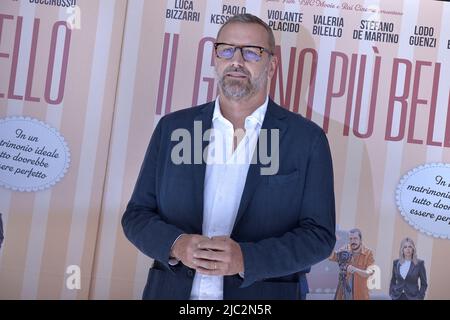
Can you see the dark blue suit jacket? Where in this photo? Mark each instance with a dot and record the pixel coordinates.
(285, 222)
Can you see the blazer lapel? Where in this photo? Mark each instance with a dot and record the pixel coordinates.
(272, 120)
(204, 118)
(411, 267)
(410, 270)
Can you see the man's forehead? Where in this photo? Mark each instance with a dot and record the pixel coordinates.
(243, 32)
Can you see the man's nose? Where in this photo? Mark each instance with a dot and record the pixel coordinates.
(237, 58)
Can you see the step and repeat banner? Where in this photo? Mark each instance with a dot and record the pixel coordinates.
(83, 84)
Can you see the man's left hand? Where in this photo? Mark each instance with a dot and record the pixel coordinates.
(218, 256)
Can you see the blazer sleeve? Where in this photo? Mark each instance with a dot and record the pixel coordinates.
(313, 239)
(141, 223)
(393, 281)
(423, 280)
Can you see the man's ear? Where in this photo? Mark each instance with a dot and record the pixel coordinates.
(273, 66)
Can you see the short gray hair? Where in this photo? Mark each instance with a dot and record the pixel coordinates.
(249, 18)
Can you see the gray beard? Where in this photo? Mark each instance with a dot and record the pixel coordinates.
(237, 90)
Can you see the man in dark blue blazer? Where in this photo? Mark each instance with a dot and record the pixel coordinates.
(226, 231)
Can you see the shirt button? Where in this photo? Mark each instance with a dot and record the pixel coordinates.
(190, 273)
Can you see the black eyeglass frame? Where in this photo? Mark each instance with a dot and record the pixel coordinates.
(261, 50)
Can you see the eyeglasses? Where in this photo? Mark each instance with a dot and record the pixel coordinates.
(249, 53)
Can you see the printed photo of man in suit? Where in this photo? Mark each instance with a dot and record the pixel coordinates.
(234, 225)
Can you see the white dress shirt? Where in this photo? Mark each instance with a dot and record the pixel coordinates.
(404, 268)
(225, 176)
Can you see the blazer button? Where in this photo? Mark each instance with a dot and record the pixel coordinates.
(190, 273)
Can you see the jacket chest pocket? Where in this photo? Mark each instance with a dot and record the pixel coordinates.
(282, 179)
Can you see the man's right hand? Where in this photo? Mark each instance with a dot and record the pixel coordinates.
(183, 249)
